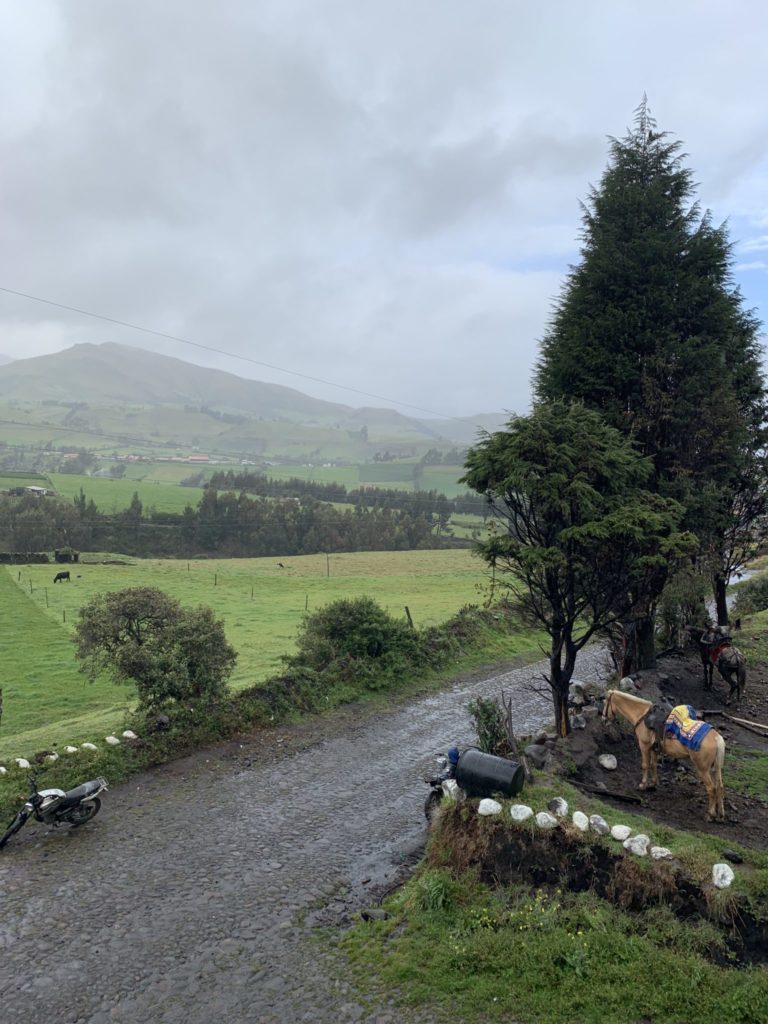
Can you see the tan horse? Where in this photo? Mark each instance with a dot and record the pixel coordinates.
(707, 761)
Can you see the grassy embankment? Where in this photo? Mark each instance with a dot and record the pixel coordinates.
(47, 702)
(537, 952)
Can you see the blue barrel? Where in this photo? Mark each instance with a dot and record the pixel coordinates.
(481, 774)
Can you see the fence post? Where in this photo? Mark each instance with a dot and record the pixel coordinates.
(408, 615)
(46, 597)
(64, 614)
(328, 565)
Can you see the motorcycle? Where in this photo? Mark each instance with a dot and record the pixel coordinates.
(441, 785)
(54, 806)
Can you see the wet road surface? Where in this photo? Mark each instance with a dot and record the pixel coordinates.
(193, 896)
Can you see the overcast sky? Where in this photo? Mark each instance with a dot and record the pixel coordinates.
(381, 193)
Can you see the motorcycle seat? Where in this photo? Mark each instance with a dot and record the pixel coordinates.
(74, 796)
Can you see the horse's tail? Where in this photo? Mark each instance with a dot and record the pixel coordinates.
(742, 675)
(719, 755)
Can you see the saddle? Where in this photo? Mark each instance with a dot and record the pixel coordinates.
(656, 720)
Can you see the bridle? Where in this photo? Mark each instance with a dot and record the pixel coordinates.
(607, 702)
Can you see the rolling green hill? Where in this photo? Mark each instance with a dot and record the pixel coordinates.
(118, 398)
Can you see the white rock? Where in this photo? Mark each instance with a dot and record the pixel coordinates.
(3, 771)
(88, 746)
(660, 852)
(453, 790)
(637, 844)
(545, 820)
(580, 820)
(608, 761)
(70, 750)
(113, 741)
(621, 832)
(598, 824)
(519, 812)
(128, 734)
(22, 762)
(51, 757)
(558, 806)
(488, 807)
(722, 875)
(628, 684)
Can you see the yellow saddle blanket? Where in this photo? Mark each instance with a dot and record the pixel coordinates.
(685, 727)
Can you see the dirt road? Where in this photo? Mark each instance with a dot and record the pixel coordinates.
(192, 897)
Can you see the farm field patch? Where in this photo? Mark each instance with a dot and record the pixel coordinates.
(260, 603)
(115, 495)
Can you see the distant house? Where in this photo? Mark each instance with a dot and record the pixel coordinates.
(198, 458)
(39, 491)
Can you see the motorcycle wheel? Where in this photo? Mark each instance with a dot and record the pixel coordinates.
(431, 804)
(84, 812)
(13, 828)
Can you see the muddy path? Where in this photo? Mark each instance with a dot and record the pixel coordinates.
(195, 894)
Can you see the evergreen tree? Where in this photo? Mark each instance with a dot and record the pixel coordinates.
(651, 331)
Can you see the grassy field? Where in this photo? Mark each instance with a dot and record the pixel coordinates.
(18, 478)
(260, 604)
(115, 495)
(41, 684)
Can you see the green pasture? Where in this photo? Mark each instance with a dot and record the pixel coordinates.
(443, 479)
(115, 495)
(41, 684)
(261, 605)
(169, 472)
(17, 478)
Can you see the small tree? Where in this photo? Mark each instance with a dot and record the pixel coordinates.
(577, 530)
(143, 636)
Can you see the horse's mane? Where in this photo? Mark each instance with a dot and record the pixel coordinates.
(629, 696)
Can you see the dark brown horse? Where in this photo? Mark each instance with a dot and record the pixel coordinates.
(717, 651)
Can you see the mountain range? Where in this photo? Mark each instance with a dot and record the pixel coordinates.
(89, 384)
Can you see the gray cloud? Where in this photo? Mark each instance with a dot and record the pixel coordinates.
(383, 195)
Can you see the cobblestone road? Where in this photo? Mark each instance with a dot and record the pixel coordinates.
(191, 897)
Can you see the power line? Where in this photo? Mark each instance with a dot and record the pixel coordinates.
(222, 352)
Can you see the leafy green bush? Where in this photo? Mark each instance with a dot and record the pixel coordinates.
(355, 640)
(752, 596)
(141, 635)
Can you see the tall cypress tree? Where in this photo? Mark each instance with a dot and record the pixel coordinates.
(651, 330)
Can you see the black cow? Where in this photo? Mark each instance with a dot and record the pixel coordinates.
(61, 576)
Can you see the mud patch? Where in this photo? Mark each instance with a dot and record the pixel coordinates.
(679, 799)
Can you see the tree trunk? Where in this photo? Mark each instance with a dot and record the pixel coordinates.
(646, 651)
(560, 675)
(721, 606)
(560, 703)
